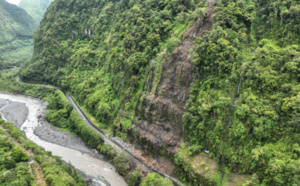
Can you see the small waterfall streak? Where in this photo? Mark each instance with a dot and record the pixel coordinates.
(224, 142)
(241, 75)
(229, 121)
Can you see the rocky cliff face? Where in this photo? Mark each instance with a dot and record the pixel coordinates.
(158, 117)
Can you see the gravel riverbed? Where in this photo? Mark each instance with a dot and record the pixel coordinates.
(27, 114)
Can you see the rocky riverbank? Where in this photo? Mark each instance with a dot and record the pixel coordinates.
(27, 114)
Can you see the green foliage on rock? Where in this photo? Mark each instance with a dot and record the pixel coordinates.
(13, 166)
(244, 103)
(242, 106)
(101, 51)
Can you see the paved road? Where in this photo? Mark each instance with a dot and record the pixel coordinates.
(117, 144)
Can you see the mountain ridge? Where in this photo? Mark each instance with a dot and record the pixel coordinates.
(36, 9)
(16, 31)
(16, 22)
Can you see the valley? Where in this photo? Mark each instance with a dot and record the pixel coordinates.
(195, 92)
(64, 145)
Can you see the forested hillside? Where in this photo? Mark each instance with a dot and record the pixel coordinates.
(35, 8)
(25, 163)
(181, 77)
(16, 31)
(244, 104)
(15, 22)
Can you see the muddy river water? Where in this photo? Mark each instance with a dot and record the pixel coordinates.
(27, 114)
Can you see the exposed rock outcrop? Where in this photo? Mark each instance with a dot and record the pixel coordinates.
(158, 117)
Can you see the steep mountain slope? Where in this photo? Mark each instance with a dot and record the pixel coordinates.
(159, 119)
(15, 23)
(35, 8)
(243, 106)
(16, 31)
(184, 77)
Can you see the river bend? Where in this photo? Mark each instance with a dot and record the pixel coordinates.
(27, 114)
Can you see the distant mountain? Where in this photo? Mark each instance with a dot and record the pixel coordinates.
(15, 23)
(35, 8)
(16, 35)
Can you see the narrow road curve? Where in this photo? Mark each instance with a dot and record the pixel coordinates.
(119, 147)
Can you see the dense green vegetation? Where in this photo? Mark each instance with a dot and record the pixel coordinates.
(154, 179)
(35, 8)
(108, 45)
(6, 65)
(16, 22)
(14, 166)
(16, 30)
(244, 104)
(13, 160)
(14, 53)
(61, 115)
(9, 83)
(257, 129)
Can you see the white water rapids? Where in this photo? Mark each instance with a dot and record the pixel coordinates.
(101, 171)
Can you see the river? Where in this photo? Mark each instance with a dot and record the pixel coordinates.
(26, 113)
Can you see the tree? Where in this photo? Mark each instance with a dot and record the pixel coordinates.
(154, 179)
(134, 178)
(172, 44)
(121, 163)
(19, 155)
